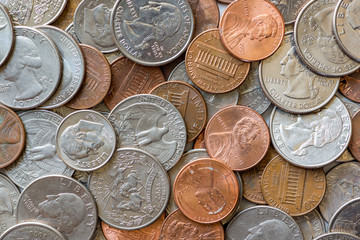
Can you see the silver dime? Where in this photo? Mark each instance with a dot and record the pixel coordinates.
(9, 195)
(92, 24)
(62, 203)
(337, 236)
(263, 222)
(316, 43)
(33, 71)
(312, 140)
(150, 123)
(32, 231)
(311, 224)
(85, 140)
(73, 67)
(131, 191)
(39, 157)
(152, 33)
(71, 30)
(6, 35)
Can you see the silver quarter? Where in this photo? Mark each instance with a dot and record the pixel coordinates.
(39, 157)
(150, 123)
(85, 140)
(312, 140)
(131, 191)
(311, 224)
(92, 24)
(32, 231)
(9, 195)
(62, 203)
(73, 67)
(289, 9)
(152, 33)
(33, 71)
(7, 37)
(71, 30)
(337, 236)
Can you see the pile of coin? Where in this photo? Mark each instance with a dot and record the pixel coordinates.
(152, 120)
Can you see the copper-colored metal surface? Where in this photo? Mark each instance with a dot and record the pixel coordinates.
(148, 233)
(206, 190)
(129, 78)
(12, 136)
(211, 67)
(206, 13)
(178, 226)
(252, 30)
(97, 79)
(188, 101)
(226, 1)
(237, 136)
(292, 189)
(350, 86)
(199, 141)
(354, 145)
(67, 16)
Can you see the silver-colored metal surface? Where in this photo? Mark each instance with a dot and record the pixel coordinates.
(311, 224)
(9, 195)
(70, 30)
(32, 231)
(289, 9)
(7, 37)
(337, 236)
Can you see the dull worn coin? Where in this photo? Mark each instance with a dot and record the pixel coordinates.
(67, 16)
(354, 145)
(70, 30)
(350, 85)
(337, 236)
(32, 230)
(289, 9)
(206, 15)
(311, 224)
(7, 37)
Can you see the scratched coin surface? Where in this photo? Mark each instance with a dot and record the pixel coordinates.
(206, 15)
(152, 33)
(337, 236)
(237, 136)
(150, 123)
(354, 145)
(251, 30)
(312, 140)
(33, 71)
(39, 157)
(7, 37)
(288, 83)
(292, 189)
(311, 224)
(85, 140)
(263, 222)
(60, 202)
(33, 230)
(211, 67)
(350, 85)
(131, 191)
(206, 190)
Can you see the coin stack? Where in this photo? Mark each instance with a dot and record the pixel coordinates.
(162, 120)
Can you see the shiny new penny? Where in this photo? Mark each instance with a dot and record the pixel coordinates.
(7, 35)
(178, 226)
(237, 136)
(188, 101)
(206, 14)
(211, 67)
(251, 30)
(350, 86)
(294, 190)
(32, 230)
(97, 79)
(354, 145)
(129, 78)
(206, 190)
(12, 136)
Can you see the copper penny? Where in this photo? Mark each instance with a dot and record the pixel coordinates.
(206, 14)
(200, 141)
(354, 145)
(12, 136)
(67, 16)
(178, 226)
(97, 79)
(150, 232)
(350, 86)
(294, 190)
(206, 190)
(252, 30)
(237, 136)
(129, 78)
(211, 67)
(252, 178)
(188, 101)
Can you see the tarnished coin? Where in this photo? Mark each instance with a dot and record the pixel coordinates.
(354, 145)
(312, 140)
(342, 185)
(39, 157)
(60, 202)
(263, 222)
(206, 14)
(311, 224)
(350, 86)
(347, 218)
(131, 191)
(32, 230)
(129, 78)
(315, 42)
(150, 123)
(85, 140)
(211, 67)
(152, 33)
(92, 24)
(188, 101)
(289, 9)
(67, 16)
(70, 30)
(251, 31)
(337, 236)
(33, 71)
(73, 63)
(200, 141)
(12, 136)
(206, 190)
(99, 235)
(178, 226)
(97, 79)
(237, 136)
(290, 85)
(7, 37)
